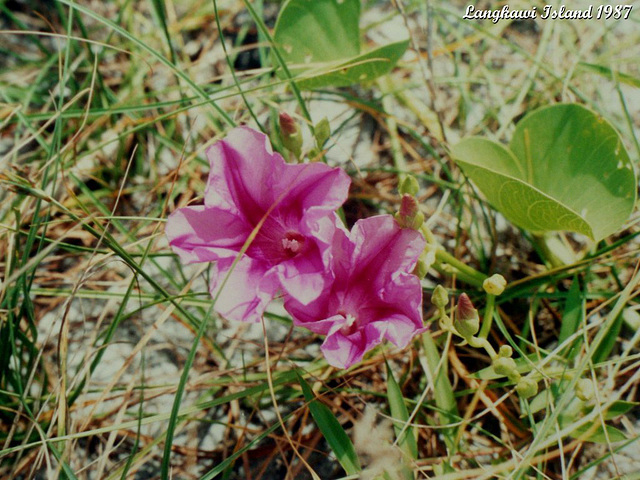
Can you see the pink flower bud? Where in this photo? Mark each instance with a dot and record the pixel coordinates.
(467, 319)
(409, 215)
(287, 124)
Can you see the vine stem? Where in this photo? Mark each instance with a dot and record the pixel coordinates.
(487, 320)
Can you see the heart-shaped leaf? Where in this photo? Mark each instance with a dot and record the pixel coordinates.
(320, 42)
(566, 169)
(362, 68)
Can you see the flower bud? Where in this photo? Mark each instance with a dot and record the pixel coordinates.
(440, 297)
(584, 389)
(505, 366)
(288, 125)
(409, 215)
(291, 135)
(409, 186)
(425, 262)
(505, 351)
(527, 388)
(467, 321)
(495, 284)
(322, 131)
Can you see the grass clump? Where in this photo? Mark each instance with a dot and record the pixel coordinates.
(113, 363)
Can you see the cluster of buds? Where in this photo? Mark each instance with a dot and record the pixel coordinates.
(467, 325)
(505, 365)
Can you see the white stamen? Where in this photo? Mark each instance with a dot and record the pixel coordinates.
(292, 245)
(349, 321)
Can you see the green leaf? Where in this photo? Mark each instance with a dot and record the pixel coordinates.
(540, 401)
(608, 342)
(442, 390)
(320, 42)
(333, 432)
(399, 412)
(363, 68)
(572, 318)
(310, 31)
(597, 435)
(610, 74)
(618, 408)
(566, 169)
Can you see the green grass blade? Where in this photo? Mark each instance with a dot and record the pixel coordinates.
(442, 389)
(233, 70)
(294, 88)
(160, 12)
(333, 432)
(572, 319)
(405, 435)
(201, 93)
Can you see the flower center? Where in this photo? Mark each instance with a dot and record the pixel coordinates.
(350, 324)
(292, 243)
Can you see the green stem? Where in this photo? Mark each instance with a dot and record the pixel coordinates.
(465, 273)
(477, 342)
(555, 251)
(487, 320)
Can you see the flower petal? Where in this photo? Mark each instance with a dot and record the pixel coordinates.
(383, 249)
(302, 279)
(243, 170)
(314, 185)
(400, 329)
(404, 294)
(247, 291)
(248, 178)
(202, 234)
(342, 351)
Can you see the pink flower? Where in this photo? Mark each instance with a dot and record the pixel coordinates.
(248, 182)
(373, 296)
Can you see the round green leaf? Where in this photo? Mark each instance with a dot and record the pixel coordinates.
(316, 31)
(320, 42)
(567, 169)
(362, 68)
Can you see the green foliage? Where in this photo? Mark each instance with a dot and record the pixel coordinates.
(565, 169)
(82, 245)
(397, 406)
(320, 41)
(332, 431)
(572, 319)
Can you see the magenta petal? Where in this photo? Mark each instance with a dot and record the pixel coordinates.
(315, 185)
(249, 186)
(312, 316)
(342, 351)
(304, 277)
(243, 171)
(201, 234)
(322, 327)
(399, 330)
(302, 280)
(373, 295)
(405, 294)
(383, 248)
(247, 291)
(248, 178)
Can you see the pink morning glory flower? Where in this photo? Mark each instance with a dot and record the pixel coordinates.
(373, 296)
(248, 182)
